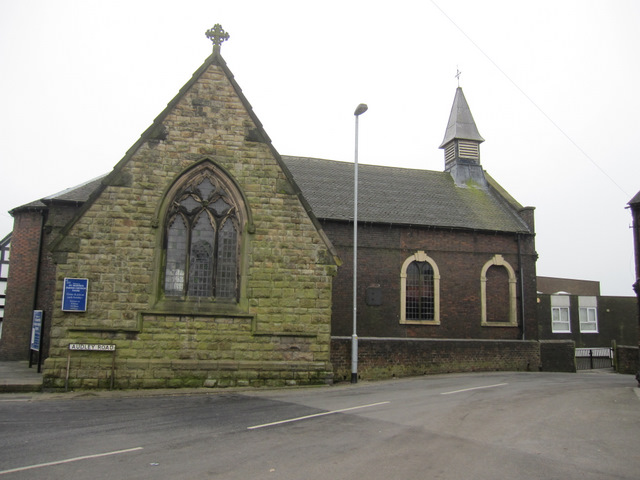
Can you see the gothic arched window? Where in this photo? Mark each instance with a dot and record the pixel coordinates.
(202, 238)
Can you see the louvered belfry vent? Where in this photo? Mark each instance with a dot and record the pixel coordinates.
(470, 150)
(450, 153)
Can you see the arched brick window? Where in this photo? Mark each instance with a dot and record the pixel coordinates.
(202, 236)
(420, 290)
(498, 284)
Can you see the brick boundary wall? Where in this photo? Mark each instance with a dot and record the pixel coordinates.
(382, 358)
(557, 356)
(627, 359)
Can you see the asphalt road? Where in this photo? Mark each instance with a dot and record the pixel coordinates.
(481, 426)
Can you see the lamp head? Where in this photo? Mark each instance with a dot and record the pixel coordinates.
(360, 109)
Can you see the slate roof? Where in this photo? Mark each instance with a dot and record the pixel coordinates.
(461, 124)
(78, 195)
(402, 196)
(635, 200)
(397, 196)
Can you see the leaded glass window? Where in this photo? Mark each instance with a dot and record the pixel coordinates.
(202, 240)
(176, 256)
(201, 258)
(420, 291)
(227, 260)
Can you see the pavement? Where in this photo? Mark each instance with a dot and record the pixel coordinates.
(17, 377)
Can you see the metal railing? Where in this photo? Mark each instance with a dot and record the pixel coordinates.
(593, 358)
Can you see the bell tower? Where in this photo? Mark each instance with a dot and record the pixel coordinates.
(461, 144)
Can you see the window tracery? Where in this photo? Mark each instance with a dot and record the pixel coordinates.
(203, 225)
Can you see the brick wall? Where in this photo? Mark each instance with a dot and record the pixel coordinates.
(382, 358)
(460, 256)
(23, 272)
(617, 321)
(557, 355)
(27, 234)
(627, 359)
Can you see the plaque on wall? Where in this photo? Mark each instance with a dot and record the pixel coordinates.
(74, 294)
(36, 330)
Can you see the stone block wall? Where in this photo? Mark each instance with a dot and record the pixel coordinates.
(279, 331)
(174, 351)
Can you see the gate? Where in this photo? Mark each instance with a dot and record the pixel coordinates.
(592, 358)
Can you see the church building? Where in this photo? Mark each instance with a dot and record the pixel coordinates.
(206, 258)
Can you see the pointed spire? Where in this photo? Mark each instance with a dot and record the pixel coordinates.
(461, 125)
(461, 145)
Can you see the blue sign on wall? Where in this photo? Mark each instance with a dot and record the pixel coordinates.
(36, 330)
(74, 294)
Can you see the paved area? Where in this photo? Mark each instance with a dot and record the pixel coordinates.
(482, 426)
(17, 377)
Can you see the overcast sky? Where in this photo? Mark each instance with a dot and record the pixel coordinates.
(552, 86)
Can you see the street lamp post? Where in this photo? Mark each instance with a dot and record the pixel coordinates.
(354, 338)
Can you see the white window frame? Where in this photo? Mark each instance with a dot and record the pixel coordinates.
(560, 304)
(588, 314)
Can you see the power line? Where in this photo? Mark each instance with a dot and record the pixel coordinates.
(580, 149)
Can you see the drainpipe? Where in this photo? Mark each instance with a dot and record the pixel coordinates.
(37, 291)
(521, 275)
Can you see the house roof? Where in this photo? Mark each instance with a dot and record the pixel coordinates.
(461, 124)
(399, 196)
(403, 196)
(76, 195)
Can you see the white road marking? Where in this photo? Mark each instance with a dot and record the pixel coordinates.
(69, 460)
(474, 388)
(315, 415)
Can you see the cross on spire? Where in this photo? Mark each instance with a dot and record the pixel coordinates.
(217, 35)
(458, 73)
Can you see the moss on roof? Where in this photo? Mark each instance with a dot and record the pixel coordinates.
(403, 196)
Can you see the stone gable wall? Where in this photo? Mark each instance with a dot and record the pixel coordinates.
(281, 331)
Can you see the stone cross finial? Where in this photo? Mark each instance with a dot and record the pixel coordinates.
(217, 35)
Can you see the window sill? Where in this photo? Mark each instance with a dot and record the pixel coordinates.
(201, 307)
(499, 324)
(419, 322)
